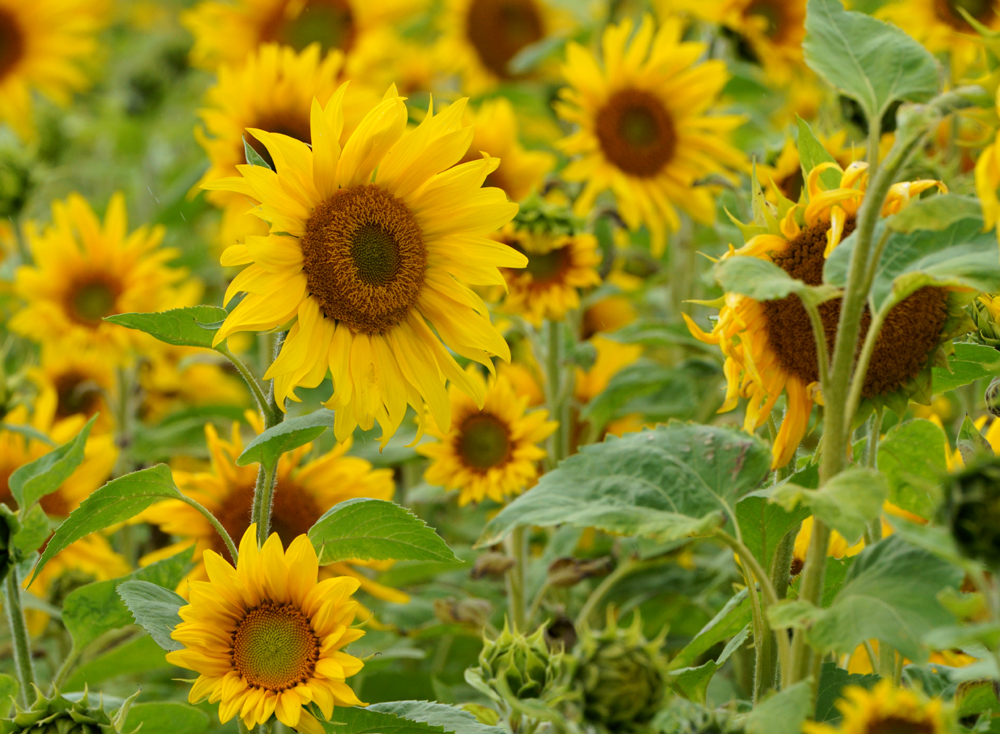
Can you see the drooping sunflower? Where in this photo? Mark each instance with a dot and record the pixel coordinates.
(84, 270)
(480, 37)
(227, 32)
(491, 451)
(644, 128)
(267, 639)
(786, 173)
(303, 491)
(43, 46)
(366, 246)
(769, 346)
(885, 708)
(559, 266)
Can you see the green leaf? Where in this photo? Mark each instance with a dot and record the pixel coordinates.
(935, 213)
(961, 255)
(812, 153)
(971, 443)
(8, 690)
(793, 614)
(762, 280)
(782, 713)
(836, 572)
(449, 718)
(365, 721)
(32, 481)
(166, 717)
(847, 503)
(764, 523)
(155, 609)
(969, 363)
(117, 501)
(253, 157)
(675, 481)
(933, 539)
(732, 618)
(870, 61)
(832, 681)
(35, 529)
(692, 683)
(976, 697)
(92, 610)
(370, 529)
(911, 458)
(194, 326)
(890, 595)
(286, 436)
(139, 655)
(641, 379)
(29, 432)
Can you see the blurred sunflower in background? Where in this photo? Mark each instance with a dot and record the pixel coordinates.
(490, 452)
(44, 47)
(368, 261)
(305, 488)
(75, 384)
(769, 346)
(644, 128)
(885, 708)
(770, 33)
(85, 270)
(173, 378)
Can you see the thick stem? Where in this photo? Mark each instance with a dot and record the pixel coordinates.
(263, 493)
(557, 395)
(19, 637)
(516, 578)
(780, 574)
(813, 576)
(762, 637)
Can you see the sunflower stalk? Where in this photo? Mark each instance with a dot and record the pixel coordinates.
(558, 394)
(19, 636)
(516, 579)
(263, 492)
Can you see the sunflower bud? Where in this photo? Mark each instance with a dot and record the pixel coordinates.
(621, 676)
(59, 715)
(538, 216)
(520, 667)
(985, 312)
(972, 510)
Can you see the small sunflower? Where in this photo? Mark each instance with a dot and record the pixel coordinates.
(368, 262)
(85, 270)
(43, 46)
(266, 638)
(480, 37)
(769, 346)
(303, 491)
(491, 451)
(227, 32)
(644, 131)
(885, 708)
(76, 384)
(559, 266)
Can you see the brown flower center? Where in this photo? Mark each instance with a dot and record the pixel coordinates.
(55, 504)
(774, 13)
(948, 11)
(364, 258)
(899, 725)
(294, 511)
(498, 29)
(11, 42)
(911, 330)
(274, 647)
(791, 185)
(327, 22)
(484, 442)
(636, 132)
(88, 301)
(544, 267)
(76, 393)
(293, 123)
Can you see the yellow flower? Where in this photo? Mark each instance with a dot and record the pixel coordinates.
(644, 131)
(84, 271)
(304, 490)
(526, 380)
(521, 171)
(861, 663)
(612, 358)
(266, 639)
(385, 56)
(988, 180)
(271, 89)
(173, 378)
(769, 346)
(786, 173)
(491, 451)
(75, 383)
(558, 267)
(883, 709)
(480, 37)
(773, 31)
(608, 314)
(227, 32)
(44, 44)
(368, 262)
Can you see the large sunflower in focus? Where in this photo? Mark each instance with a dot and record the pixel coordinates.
(644, 131)
(42, 47)
(769, 346)
(84, 270)
(366, 248)
(882, 710)
(227, 32)
(491, 451)
(304, 490)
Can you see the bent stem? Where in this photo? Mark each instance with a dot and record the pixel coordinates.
(623, 569)
(19, 637)
(230, 546)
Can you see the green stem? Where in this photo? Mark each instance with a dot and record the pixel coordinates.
(215, 524)
(516, 578)
(263, 492)
(813, 576)
(861, 370)
(263, 405)
(536, 604)
(556, 383)
(781, 565)
(19, 637)
(819, 336)
(886, 660)
(761, 635)
(67, 665)
(623, 569)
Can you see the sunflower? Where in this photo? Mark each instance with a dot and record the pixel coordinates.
(266, 638)
(84, 271)
(369, 262)
(43, 46)
(304, 490)
(885, 708)
(480, 37)
(643, 128)
(771, 32)
(227, 32)
(988, 179)
(786, 173)
(491, 451)
(75, 383)
(173, 378)
(559, 266)
(769, 346)
(385, 56)
(860, 663)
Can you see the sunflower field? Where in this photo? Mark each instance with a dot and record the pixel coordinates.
(500, 366)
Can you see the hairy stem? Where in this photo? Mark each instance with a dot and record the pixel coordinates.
(19, 637)
(230, 546)
(263, 493)
(516, 578)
